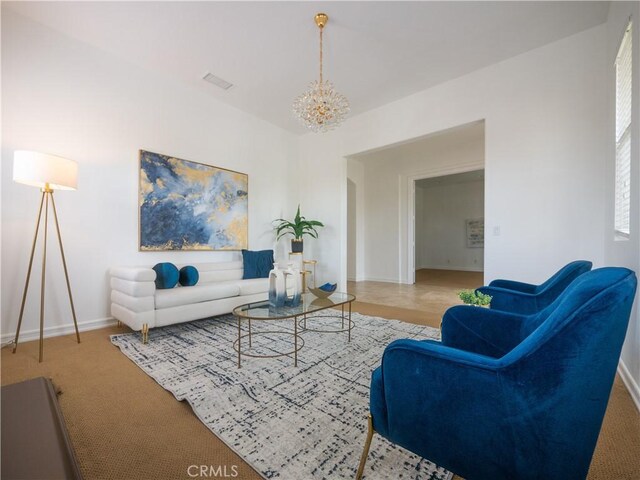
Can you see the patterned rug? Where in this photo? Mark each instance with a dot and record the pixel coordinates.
(292, 423)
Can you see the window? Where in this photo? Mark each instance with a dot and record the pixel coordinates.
(623, 135)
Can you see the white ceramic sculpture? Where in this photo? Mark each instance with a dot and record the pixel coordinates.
(277, 287)
(293, 286)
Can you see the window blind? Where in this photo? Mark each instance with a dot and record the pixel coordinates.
(623, 134)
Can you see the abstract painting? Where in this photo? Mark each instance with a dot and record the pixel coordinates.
(191, 206)
(475, 233)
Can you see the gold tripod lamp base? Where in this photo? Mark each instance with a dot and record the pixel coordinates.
(48, 172)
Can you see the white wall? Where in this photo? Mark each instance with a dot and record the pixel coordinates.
(355, 205)
(387, 179)
(65, 97)
(420, 228)
(545, 141)
(624, 252)
(441, 239)
(352, 230)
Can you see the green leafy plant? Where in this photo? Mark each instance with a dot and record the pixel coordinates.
(299, 227)
(471, 297)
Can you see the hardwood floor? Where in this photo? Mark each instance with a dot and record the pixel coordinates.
(433, 292)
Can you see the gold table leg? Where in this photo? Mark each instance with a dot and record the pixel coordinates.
(350, 324)
(239, 340)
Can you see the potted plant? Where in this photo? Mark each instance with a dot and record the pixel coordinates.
(298, 227)
(472, 297)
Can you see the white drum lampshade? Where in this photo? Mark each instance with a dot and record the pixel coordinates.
(41, 169)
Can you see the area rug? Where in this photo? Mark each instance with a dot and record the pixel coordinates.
(305, 422)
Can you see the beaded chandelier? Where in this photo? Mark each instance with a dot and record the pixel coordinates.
(321, 108)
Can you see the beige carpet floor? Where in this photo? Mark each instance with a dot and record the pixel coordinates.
(125, 426)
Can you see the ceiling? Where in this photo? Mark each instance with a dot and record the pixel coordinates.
(375, 52)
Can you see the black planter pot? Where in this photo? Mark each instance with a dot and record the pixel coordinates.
(296, 245)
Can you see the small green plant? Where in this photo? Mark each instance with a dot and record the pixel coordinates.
(471, 297)
(299, 227)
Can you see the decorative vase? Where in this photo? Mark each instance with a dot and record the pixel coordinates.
(296, 245)
(293, 285)
(277, 287)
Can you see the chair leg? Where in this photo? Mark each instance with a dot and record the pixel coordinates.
(367, 445)
(119, 324)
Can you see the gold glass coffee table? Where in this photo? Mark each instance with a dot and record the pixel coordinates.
(309, 304)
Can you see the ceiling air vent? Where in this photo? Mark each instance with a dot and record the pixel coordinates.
(217, 81)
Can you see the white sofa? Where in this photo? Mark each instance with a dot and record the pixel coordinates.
(136, 302)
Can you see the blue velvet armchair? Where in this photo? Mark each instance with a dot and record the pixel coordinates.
(508, 396)
(525, 298)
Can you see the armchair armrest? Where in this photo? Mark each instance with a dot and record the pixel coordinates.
(436, 350)
(133, 295)
(513, 285)
(133, 281)
(134, 274)
(511, 300)
(479, 330)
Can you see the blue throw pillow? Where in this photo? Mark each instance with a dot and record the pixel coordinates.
(167, 275)
(257, 264)
(189, 276)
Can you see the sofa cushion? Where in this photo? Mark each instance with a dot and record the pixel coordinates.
(253, 286)
(257, 264)
(218, 271)
(220, 276)
(176, 297)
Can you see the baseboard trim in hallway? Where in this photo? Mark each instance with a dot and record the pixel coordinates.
(452, 268)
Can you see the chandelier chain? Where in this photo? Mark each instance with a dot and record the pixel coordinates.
(321, 29)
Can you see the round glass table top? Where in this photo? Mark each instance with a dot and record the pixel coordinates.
(308, 303)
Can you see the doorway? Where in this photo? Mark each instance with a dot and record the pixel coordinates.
(448, 233)
(385, 185)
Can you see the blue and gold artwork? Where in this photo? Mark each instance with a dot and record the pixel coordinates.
(191, 206)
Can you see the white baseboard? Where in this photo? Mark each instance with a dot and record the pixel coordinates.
(356, 279)
(58, 330)
(450, 267)
(630, 383)
(385, 280)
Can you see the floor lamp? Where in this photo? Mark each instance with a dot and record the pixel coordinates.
(48, 173)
